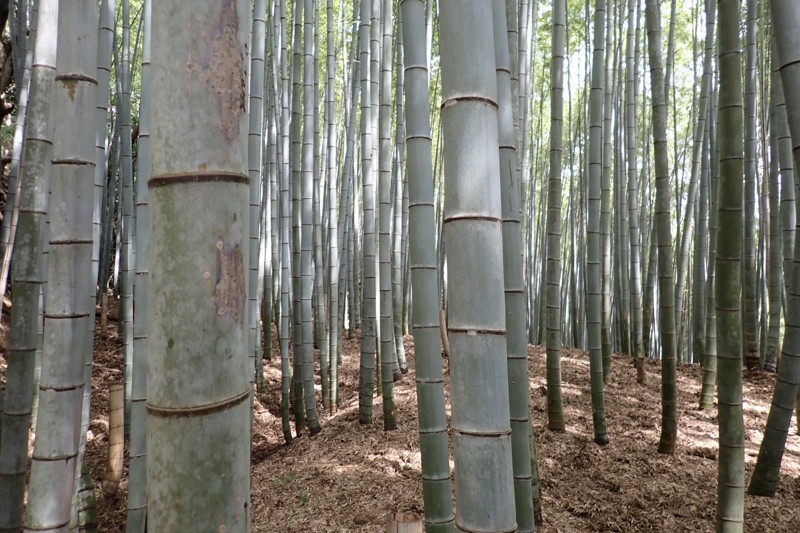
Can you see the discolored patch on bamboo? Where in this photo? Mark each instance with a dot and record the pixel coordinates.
(222, 62)
(69, 85)
(229, 293)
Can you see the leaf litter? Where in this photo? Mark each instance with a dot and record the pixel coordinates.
(355, 478)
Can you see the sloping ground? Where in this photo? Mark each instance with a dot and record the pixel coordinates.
(353, 478)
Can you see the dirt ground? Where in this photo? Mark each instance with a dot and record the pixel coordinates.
(354, 478)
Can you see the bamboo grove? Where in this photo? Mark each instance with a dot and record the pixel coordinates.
(615, 176)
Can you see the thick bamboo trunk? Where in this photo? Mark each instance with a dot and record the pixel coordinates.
(69, 306)
(473, 232)
(28, 276)
(436, 485)
(199, 201)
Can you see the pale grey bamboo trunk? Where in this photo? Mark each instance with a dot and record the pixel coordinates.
(517, 347)
(388, 353)
(436, 486)
(255, 148)
(137, 480)
(366, 372)
(472, 222)
(197, 382)
(28, 275)
(68, 305)
(306, 348)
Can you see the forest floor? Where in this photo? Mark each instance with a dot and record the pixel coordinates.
(355, 478)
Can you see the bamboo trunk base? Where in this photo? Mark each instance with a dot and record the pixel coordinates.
(115, 439)
(405, 523)
(104, 315)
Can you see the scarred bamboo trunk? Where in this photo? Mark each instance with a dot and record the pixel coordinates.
(198, 251)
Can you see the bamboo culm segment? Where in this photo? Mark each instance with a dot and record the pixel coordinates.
(197, 320)
(476, 309)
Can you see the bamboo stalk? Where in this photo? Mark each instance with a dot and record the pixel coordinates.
(116, 440)
(104, 315)
(405, 523)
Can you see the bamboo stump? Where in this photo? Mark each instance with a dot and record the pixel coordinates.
(405, 523)
(116, 424)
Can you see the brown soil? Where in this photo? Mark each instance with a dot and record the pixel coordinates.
(353, 478)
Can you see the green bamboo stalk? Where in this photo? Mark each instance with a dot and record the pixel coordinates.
(388, 354)
(631, 135)
(701, 229)
(346, 212)
(400, 215)
(699, 132)
(605, 198)
(514, 284)
(307, 174)
(126, 251)
(788, 201)
(764, 482)
(666, 287)
(710, 355)
(593, 244)
(137, 476)
(524, 47)
(699, 285)
(285, 232)
(86, 504)
(320, 289)
(555, 412)
(11, 212)
(333, 216)
(749, 301)
(255, 146)
(436, 485)
(730, 481)
(295, 181)
(366, 373)
(622, 238)
(775, 286)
